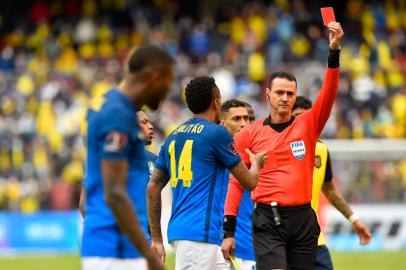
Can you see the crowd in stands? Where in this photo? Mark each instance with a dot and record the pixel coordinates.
(55, 56)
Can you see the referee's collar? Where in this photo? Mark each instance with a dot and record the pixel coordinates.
(280, 126)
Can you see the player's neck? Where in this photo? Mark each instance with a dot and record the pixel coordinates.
(278, 118)
(132, 94)
(208, 115)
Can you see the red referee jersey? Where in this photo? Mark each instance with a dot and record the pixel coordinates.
(287, 175)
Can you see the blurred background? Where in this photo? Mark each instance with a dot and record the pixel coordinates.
(55, 56)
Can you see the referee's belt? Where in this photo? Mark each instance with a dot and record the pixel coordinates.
(284, 208)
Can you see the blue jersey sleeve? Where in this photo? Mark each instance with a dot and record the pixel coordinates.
(160, 161)
(225, 149)
(118, 134)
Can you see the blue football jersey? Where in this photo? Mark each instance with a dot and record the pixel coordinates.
(243, 234)
(113, 132)
(195, 156)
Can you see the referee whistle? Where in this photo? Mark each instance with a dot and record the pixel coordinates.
(276, 216)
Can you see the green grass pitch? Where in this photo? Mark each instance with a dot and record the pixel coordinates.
(342, 261)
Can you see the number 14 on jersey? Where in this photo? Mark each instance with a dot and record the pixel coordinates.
(181, 169)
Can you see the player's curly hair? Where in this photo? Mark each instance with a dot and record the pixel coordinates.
(199, 93)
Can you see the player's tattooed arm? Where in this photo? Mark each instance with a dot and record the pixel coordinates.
(156, 183)
(335, 198)
(249, 178)
(82, 201)
(115, 173)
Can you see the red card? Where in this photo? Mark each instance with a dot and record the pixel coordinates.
(328, 15)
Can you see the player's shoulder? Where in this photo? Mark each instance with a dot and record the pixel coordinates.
(217, 133)
(321, 147)
(321, 143)
(117, 102)
(151, 157)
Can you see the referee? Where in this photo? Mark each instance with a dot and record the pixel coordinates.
(285, 228)
(323, 181)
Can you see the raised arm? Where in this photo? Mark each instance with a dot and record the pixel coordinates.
(323, 104)
(115, 174)
(156, 183)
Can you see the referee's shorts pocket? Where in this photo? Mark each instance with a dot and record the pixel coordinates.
(260, 220)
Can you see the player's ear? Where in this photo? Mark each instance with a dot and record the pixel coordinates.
(154, 75)
(217, 103)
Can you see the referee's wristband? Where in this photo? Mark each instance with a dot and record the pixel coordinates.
(353, 218)
(334, 58)
(229, 225)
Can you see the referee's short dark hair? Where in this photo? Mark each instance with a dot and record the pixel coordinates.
(232, 103)
(199, 93)
(282, 74)
(150, 56)
(302, 103)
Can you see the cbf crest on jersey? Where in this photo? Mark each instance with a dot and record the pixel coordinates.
(298, 149)
(115, 142)
(231, 146)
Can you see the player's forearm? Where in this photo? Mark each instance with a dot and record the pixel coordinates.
(335, 198)
(156, 183)
(154, 210)
(247, 178)
(115, 175)
(254, 175)
(82, 202)
(123, 211)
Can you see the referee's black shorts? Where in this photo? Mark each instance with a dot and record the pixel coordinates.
(291, 244)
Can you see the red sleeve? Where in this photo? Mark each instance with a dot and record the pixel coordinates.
(323, 105)
(234, 196)
(235, 190)
(241, 140)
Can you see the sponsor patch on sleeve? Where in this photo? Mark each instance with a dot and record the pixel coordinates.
(231, 146)
(151, 167)
(115, 142)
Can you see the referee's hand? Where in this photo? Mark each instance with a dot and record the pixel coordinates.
(228, 247)
(336, 34)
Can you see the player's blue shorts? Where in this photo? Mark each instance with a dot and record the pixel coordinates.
(323, 260)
